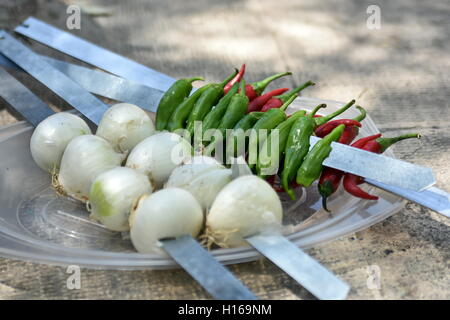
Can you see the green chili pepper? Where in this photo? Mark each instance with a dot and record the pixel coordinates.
(207, 100)
(236, 111)
(171, 99)
(212, 119)
(181, 113)
(321, 120)
(312, 166)
(239, 133)
(268, 121)
(249, 120)
(267, 161)
(297, 147)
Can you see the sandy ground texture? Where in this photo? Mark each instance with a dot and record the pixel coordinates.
(400, 73)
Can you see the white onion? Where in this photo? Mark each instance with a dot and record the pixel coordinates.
(113, 193)
(168, 213)
(83, 160)
(51, 136)
(157, 156)
(124, 125)
(202, 178)
(202, 160)
(246, 206)
(184, 174)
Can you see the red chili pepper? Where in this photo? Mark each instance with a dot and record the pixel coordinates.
(349, 134)
(329, 183)
(381, 144)
(361, 142)
(350, 184)
(378, 145)
(237, 78)
(331, 178)
(257, 103)
(351, 129)
(323, 130)
(278, 101)
(277, 186)
(255, 89)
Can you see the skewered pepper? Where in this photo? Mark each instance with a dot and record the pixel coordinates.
(297, 148)
(214, 117)
(237, 78)
(207, 100)
(255, 89)
(326, 128)
(257, 103)
(278, 101)
(268, 121)
(178, 118)
(330, 178)
(381, 144)
(267, 162)
(312, 166)
(234, 148)
(329, 181)
(236, 111)
(378, 145)
(171, 99)
(351, 127)
(361, 142)
(276, 186)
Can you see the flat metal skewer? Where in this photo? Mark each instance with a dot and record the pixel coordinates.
(93, 54)
(102, 83)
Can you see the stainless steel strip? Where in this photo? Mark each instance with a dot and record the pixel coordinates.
(52, 78)
(432, 198)
(5, 62)
(93, 54)
(102, 83)
(110, 86)
(21, 99)
(305, 270)
(214, 277)
(378, 167)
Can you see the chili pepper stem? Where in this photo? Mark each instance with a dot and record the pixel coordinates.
(387, 142)
(325, 190)
(288, 102)
(324, 204)
(242, 88)
(322, 120)
(363, 114)
(261, 85)
(295, 91)
(314, 111)
(303, 86)
(195, 79)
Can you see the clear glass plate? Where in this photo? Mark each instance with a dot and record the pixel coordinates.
(39, 226)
